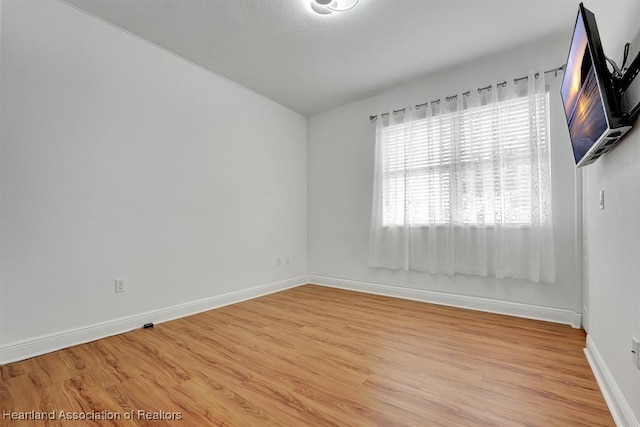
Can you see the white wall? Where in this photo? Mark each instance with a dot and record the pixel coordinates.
(341, 151)
(118, 159)
(613, 246)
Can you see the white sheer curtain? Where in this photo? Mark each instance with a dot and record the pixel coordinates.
(463, 185)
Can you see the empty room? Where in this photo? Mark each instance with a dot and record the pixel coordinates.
(319, 213)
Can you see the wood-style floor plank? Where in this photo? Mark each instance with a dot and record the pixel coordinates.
(315, 356)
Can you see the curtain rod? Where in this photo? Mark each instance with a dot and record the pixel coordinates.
(467, 93)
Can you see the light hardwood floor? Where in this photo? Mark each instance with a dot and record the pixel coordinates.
(314, 356)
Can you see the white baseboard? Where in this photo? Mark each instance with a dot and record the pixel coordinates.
(618, 405)
(556, 315)
(47, 343)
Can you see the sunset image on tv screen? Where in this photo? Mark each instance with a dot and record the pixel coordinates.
(581, 97)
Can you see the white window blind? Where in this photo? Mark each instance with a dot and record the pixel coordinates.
(488, 168)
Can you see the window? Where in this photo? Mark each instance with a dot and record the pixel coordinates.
(467, 167)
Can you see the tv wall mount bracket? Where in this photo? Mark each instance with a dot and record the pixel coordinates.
(623, 77)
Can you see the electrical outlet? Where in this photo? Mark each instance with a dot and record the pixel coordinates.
(278, 262)
(601, 199)
(286, 260)
(635, 352)
(119, 285)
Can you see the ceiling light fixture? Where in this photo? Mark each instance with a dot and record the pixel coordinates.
(326, 7)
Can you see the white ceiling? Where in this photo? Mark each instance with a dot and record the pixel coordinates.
(310, 62)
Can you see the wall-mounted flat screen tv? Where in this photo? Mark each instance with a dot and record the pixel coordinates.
(590, 104)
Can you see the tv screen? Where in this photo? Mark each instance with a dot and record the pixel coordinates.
(587, 94)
